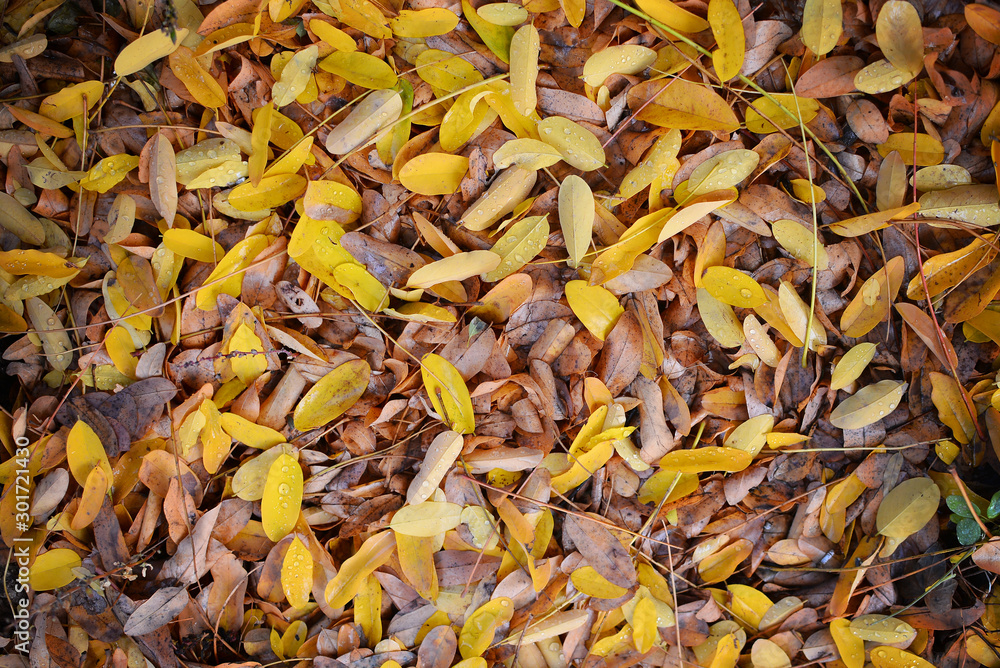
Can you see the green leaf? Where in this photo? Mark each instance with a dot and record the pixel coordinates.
(968, 532)
(958, 506)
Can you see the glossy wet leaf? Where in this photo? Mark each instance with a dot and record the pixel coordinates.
(868, 405)
(852, 365)
(282, 498)
(332, 395)
(904, 510)
(519, 245)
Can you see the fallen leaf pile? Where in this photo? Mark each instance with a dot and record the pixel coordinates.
(375, 333)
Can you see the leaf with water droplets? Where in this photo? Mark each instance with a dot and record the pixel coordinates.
(822, 25)
(163, 177)
(721, 171)
(426, 519)
(295, 76)
(448, 393)
(851, 365)
(374, 552)
(900, 36)
(868, 405)
(202, 86)
(332, 395)
(503, 13)
(929, 151)
(948, 398)
(893, 657)
(709, 458)
(377, 111)
(576, 217)
(733, 287)
(850, 646)
(720, 320)
(434, 173)
(55, 340)
(524, 50)
(440, 457)
(882, 628)
(297, 574)
(621, 59)
(480, 626)
(518, 246)
(798, 241)
(751, 436)
(148, 49)
(282, 498)
(578, 146)
(682, 105)
(727, 27)
(457, 267)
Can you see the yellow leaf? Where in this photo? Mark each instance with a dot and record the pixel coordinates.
(231, 269)
(426, 519)
(295, 76)
(69, 102)
(868, 405)
(709, 458)
(518, 246)
(360, 68)
(727, 27)
(595, 306)
(148, 49)
(423, 23)
(720, 320)
(524, 50)
(456, 267)
(883, 629)
(622, 59)
(929, 151)
(374, 552)
(480, 627)
(810, 193)
(249, 362)
(448, 393)
(53, 569)
(974, 204)
(576, 217)
(851, 365)
(37, 263)
(94, 491)
(370, 294)
(720, 565)
(751, 435)
(215, 442)
(733, 287)
(947, 396)
(331, 200)
(672, 16)
(109, 172)
(781, 110)
(880, 77)
(578, 146)
(893, 657)
(297, 574)
(591, 583)
(416, 558)
(282, 497)
(503, 13)
(84, 452)
(644, 631)
(376, 112)
(798, 241)
(333, 36)
(368, 610)
(528, 154)
(193, 245)
(332, 395)
(850, 646)
(273, 191)
(822, 25)
(202, 86)
(250, 433)
(900, 36)
(507, 191)
(434, 173)
(796, 313)
(681, 105)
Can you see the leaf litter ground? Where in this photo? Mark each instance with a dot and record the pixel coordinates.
(370, 334)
